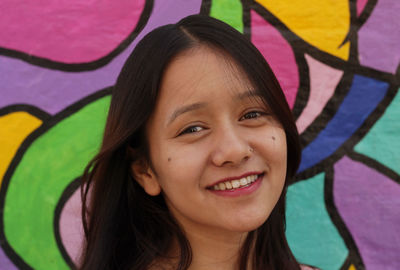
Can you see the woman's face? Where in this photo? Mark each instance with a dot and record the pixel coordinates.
(219, 156)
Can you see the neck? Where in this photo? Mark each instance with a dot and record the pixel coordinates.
(215, 250)
(210, 250)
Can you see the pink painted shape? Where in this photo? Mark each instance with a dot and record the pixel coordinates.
(323, 82)
(71, 229)
(69, 31)
(360, 6)
(278, 53)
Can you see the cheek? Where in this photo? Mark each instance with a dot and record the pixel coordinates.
(180, 165)
(272, 149)
(271, 144)
(181, 179)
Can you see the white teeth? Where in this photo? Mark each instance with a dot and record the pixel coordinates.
(243, 181)
(235, 183)
(222, 186)
(251, 178)
(228, 185)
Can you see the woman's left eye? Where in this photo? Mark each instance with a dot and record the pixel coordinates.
(251, 115)
(191, 129)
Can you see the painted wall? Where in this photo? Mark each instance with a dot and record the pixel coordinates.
(337, 61)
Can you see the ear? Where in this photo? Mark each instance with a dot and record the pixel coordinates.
(145, 177)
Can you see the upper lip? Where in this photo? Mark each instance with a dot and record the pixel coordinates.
(235, 177)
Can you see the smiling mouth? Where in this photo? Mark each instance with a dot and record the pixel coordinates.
(237, 183)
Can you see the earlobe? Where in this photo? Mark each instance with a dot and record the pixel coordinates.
(145, 177)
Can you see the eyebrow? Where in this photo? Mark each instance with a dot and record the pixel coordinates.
(185, 109)
(200, 105)
(249, 94)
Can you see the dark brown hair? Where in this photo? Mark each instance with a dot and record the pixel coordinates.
(124, 227)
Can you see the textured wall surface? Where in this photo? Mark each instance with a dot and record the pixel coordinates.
(337, 61)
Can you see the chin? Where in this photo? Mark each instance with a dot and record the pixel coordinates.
(247, 225)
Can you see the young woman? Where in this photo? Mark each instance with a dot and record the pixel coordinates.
(198, 150)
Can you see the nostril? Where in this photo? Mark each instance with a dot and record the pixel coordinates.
(230, 149)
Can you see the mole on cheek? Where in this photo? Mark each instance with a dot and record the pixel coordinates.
(273, 138)
(169, 159)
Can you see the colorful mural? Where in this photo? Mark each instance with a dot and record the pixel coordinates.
(337, 61)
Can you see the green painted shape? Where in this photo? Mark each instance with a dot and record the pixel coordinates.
(312, 236)
(382, 141)
(229, 11)
(52, 161)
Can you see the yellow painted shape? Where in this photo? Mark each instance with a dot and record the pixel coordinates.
(322, 23)
(352, 267)
(14, 128)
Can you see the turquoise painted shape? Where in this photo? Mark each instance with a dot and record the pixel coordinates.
(312, 236)
(382, 141)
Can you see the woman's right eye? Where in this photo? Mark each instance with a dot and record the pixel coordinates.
(191, 129)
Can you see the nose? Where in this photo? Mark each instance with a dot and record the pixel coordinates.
(230, 148)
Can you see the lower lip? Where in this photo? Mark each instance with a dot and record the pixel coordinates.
(246, 190)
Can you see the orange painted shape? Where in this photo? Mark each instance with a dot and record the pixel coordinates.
(14, 128)
(322, 23)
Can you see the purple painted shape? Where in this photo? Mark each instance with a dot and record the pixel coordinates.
(53, 90)
(5, 262)
(379, 37)
(369, 204)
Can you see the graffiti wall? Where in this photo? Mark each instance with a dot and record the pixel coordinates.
(337, 61)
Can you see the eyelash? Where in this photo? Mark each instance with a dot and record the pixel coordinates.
(190, 129)
(252, 112)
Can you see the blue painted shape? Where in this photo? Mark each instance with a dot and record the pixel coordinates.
(311, 234)
(364, 96)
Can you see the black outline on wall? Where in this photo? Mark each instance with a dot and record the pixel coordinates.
(375, 165)
(246, 19)
(205, 7)
(32, 110)
(365, 13)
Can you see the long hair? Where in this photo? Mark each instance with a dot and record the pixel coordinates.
(124, 227)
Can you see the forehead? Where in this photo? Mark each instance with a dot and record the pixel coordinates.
(199, 73)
